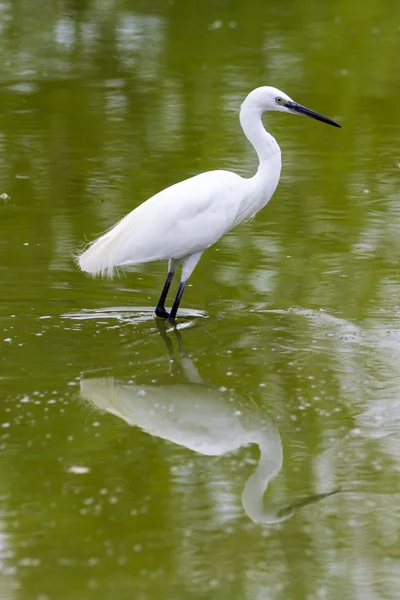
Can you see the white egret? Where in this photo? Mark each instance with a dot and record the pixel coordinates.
(183, 220)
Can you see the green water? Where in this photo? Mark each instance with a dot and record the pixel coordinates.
(255, 454)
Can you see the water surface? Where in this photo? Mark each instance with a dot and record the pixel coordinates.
(255, 453)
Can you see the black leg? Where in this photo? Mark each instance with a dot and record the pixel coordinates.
(160, 310)
(178, 298)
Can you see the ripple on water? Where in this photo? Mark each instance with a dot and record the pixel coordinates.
(134, 315)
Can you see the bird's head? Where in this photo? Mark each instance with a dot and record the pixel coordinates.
(269, 98)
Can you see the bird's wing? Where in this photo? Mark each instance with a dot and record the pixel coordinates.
(181, 220)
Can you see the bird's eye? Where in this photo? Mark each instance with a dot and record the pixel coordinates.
(279, 100)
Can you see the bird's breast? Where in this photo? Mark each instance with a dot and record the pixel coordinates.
(259, 189)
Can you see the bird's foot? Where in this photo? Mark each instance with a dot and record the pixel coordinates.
(162, 313)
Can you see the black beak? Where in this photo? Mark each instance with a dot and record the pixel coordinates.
(302, 110)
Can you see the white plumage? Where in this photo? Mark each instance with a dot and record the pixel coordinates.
(183, 220)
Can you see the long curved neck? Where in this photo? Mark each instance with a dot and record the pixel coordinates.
(269, 465)
(262, 141)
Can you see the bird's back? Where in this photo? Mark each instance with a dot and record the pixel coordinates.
(181, 220)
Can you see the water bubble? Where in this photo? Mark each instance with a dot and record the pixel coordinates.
(216, 25)
(78, 469)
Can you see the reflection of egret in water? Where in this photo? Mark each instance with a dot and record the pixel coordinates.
(204, 419)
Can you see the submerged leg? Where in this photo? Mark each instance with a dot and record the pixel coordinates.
(187, 269)
(160, 309)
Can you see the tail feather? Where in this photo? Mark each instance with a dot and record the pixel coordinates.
(113, 248)
(97, 259)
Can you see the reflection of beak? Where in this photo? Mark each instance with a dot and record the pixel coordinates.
(302, 110)
(288, 510)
